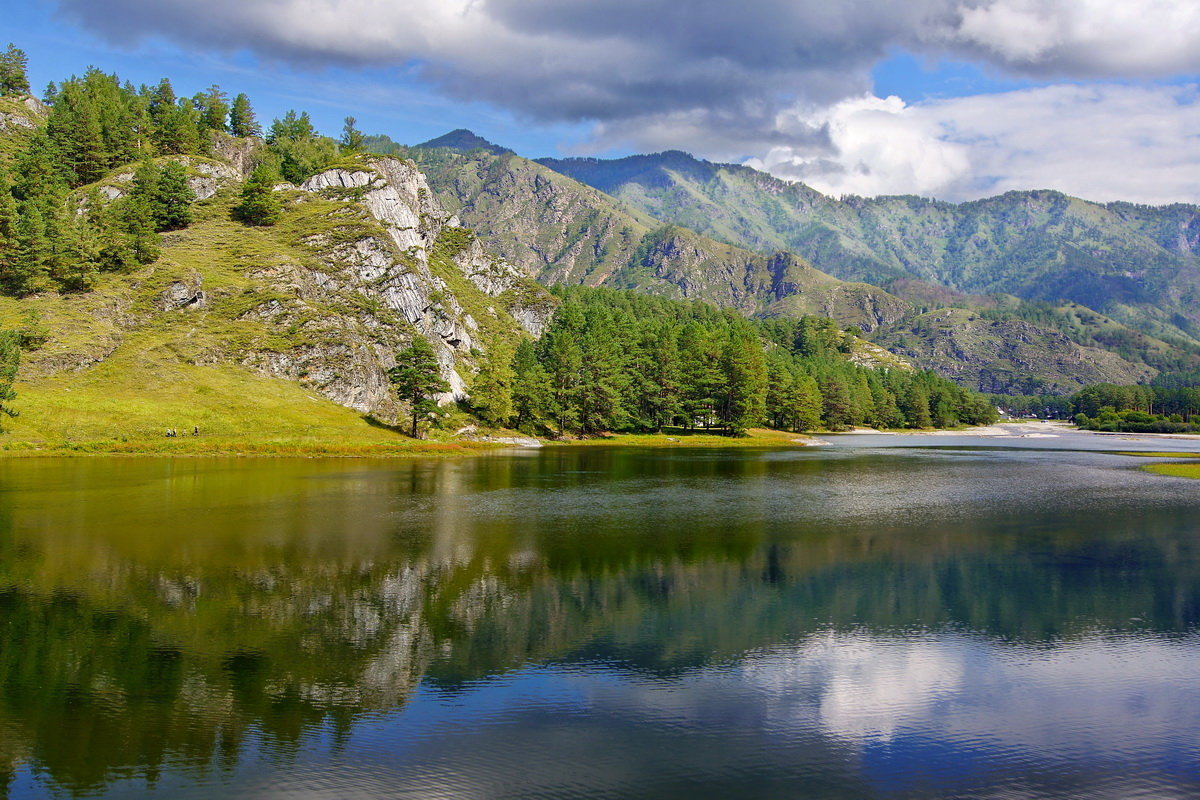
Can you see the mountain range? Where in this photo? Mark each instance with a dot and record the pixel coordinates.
(1027, 292)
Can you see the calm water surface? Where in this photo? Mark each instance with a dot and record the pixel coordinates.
(884, 617)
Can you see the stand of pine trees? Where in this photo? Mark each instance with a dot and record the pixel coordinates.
(620, 361)
(58, 233)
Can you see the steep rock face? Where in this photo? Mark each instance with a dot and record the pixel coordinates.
(240, 154)
(363, 260)
(24, 113)
(391, 263)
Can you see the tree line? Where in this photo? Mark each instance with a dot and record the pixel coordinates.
(1138, 408)
(624, 362)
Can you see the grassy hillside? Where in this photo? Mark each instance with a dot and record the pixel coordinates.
(184, 343)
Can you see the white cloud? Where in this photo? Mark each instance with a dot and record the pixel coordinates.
(1084, 37)
(876, 146)
(1104, 142)
(787, 81)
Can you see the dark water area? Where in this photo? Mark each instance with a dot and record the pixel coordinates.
(882, 617)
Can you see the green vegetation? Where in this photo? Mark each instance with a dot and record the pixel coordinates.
(620, 361)
(1137, 409)
(418, 380)
(1115, 408)
(1126, 261)
(260, 204)
(13, 79)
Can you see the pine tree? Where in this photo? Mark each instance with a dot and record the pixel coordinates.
(89, 160)
(10, 360)
(492, 390)
(562, 358)
(531, 388)
(699, 367)
(8, 222)
(418, 379)
(13, 78)
(837, 409)
(260, 204)
(77, 264)
(744, 403)
(173, 198)
(601, 375)
(242, 122)
(28, 272)
(213, 106)
(352, 137)
(807, 403)
(915, 406)
(136, 218)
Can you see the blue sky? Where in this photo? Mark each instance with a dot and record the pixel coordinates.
(949, 98)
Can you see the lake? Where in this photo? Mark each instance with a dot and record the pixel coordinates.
(881, 617)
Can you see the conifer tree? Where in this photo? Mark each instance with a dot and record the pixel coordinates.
(89, 159)
(837, 408)
(13, 78)
(562, 358)
(242, 122)
(700, 373)
(28, 272)
(213, 106)
(78, 264)
(745, 383)
(601, 376)
(173, 198)
(807, 403)
(10, 360)
(136, 218)
(915, 406)
(531, 387)
(352, 137)
(418, 380)
(492, 390)
(260, 204)
(8, 221)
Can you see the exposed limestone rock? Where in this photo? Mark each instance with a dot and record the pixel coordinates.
(183, 294)
(205, 178)
(395, 278)
(12, 121)
(210, 178)
(240, 154)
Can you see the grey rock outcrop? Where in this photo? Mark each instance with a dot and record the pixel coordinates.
(378, 289)
(183, 294)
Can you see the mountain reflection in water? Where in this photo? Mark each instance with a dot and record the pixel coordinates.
(858, 621)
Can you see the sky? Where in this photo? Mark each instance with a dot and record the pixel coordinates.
(955, 99)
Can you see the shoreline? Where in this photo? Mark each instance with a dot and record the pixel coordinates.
(187, 447)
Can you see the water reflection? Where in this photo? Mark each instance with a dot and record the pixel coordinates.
(601, 623)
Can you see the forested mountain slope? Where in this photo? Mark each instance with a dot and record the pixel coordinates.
(1137, 264)
(561, 231)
